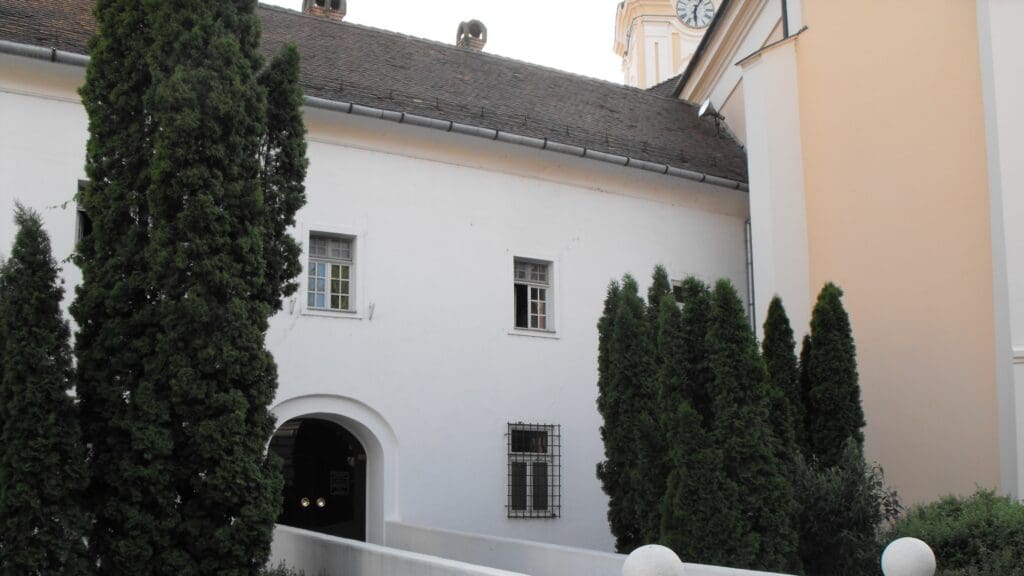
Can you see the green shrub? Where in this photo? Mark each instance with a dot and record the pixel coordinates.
(281, 570)
(842, 509)
(982, 535)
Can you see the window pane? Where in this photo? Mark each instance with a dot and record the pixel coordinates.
(533, 441)
(344, 303)
(542, 294)
(344, 272)
(312, 300)
(344, 287)
(533, 308)
(520, 296)
(335, 271)
(540, 486)
(517, 485)
(321, 285)
(319, 300)
(335, 303)
(542, 323)
(321, 269)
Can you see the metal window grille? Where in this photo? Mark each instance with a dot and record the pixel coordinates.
(534, 470)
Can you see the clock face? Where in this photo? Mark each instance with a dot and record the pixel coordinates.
(695, 13)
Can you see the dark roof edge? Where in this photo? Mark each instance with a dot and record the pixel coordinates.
(719, 16)
(519, 139)
(478, 54)
(81, 60)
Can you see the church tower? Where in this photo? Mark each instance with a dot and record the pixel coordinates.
(657, 38)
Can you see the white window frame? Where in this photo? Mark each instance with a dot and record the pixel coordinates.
(550, 292)
(356, 270)
(552, 460)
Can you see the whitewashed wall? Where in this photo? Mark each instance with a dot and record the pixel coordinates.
(430, 379)
(1000, 45)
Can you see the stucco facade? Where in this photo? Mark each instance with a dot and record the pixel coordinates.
(428, 370)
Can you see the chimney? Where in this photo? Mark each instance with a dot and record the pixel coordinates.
(330, 9)
(472, 35)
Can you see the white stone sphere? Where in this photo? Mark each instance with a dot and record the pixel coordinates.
(652, 560)
(908, 557)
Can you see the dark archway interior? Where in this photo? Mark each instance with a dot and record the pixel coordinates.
(324, 468)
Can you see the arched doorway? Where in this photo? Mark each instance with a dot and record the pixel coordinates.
(324, 469)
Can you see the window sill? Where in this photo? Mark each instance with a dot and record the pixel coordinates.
(350, 315)
(549, 334)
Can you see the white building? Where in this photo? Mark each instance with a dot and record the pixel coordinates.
(472, 210)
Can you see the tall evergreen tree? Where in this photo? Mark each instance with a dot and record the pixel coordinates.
(660, 286)
(630, 370)
(779, 353)
(697, 373)
(42, 466)
(208, 265)
(803, 435)
(125, 420)
(835, 413)
(652, 448)
(283, 159)
(743, 433)
(700, 520)
(193, 186)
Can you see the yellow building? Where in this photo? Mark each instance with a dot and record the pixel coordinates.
(885, 143)
(657, 38)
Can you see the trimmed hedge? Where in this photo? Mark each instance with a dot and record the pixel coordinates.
(982, 535)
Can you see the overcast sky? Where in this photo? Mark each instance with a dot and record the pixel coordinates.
(573, 35)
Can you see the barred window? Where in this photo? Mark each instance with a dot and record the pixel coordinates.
(329, 285)
(534, 470)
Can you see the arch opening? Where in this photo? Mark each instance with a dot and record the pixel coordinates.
(325, 471)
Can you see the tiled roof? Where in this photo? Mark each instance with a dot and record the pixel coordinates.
(665, 87)
(352, 63)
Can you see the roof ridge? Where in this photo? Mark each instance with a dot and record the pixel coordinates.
(473, 53)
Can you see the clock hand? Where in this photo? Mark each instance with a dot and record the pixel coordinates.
(695, 6)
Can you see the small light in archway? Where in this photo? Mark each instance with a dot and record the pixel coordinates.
(320, 502)
(304, 502)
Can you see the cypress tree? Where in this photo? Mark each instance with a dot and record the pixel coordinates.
(613, 477)
(803, 435)
(742, 431)
(835, 413)
(283, 161)
(125, 419)
(208, 264)
(697, 373)
(193, 184)
(660, 286)
(42, 467)
(779, 353)
(630, 373)
(700, 520)
(651, 412)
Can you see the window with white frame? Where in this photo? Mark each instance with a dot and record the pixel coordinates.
(532, 286)
(331, 271)
(534, 471)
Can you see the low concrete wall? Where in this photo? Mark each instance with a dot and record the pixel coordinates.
(534, 558)
(527, 557)
(322, 555)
